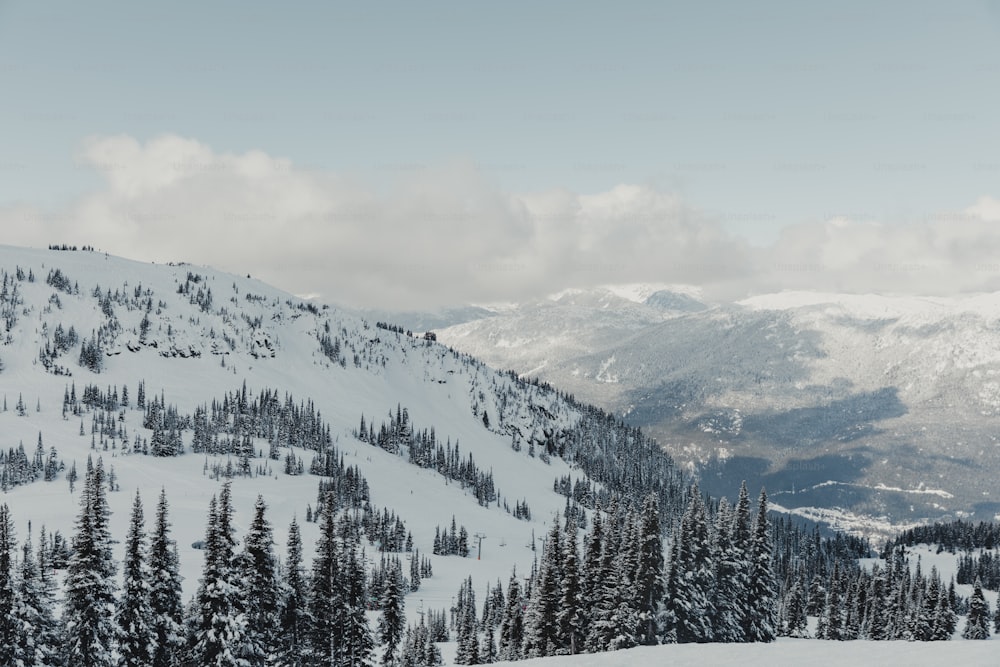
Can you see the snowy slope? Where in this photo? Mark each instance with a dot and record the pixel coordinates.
(254, 334)
(879, 406)
(785, 652)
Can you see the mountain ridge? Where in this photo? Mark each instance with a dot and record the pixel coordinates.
(791, 390)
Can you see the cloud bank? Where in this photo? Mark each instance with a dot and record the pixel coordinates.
(445, 235)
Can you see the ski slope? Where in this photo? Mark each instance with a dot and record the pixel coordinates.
(185, 360)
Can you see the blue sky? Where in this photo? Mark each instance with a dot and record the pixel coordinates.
(756, 118)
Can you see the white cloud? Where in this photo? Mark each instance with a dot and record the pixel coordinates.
(444, 235)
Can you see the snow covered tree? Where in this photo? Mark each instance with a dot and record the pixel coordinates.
(570, 613)
(339, 635)
(467, 651)
(831, 625)
(796, 622)
(977, 624)
(730, 579)
(649, 575)
(761, 622)
(392, 622)
(134, 615)
(359, 642)
(260, 590)
(877, 624)
(691, 579)
(37, 637)
(541, 634)
(294, 616)
(88, 613)
(8, 629)
(512, 623)
(325, 596)
(165, 592)
(219, 623)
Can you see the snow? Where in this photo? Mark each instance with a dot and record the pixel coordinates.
(434, 385)
(921, 373)
(785, 652)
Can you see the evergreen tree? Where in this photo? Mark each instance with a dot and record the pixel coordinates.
(877, 623)
(730, 579)
(359, 643)
(795, 612)
(37, 637)
(944, 619)
(488, 651)
(689, 603)
(391, 624)
(260, 590)
(541, 635)
(8, 628)
(570, 611)
(134, 614)
(832, 622)
(165, 592)
(926, 617)
(977, 624)
(603, 626)
(762, 587)
(467, 650)
(591, 579)
(294, 617)
(88, 613)
(325, 595)
(512, 623)
(649, 575)
(219, 623)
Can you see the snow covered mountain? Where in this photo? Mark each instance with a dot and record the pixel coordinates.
(842, 405)
(180, 377)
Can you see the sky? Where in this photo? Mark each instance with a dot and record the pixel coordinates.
(413, 155)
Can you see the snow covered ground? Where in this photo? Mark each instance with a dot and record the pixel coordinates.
(435, 386)
(791, 652)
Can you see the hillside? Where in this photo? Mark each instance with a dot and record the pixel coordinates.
(869, 410)
(228, 378)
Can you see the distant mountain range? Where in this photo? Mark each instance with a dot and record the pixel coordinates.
(848, 407)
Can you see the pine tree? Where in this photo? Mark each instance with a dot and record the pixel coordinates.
(977, 624)
(762, 587)
(134, 614)
(326, 605)
(512, 623)
(796, 622)
(294, 617)
(730, 579)
(944, 619)
(467, 650)
(926, 617)
(359, 644)
(602, 627)
(689, 603)
(88, 614)
(165, 592)
(260, 591)
(392, 622)
(541, 635)
(832, 622)
(488, 651)
(649, 575)
(219, 623)
(570, 612)
(876, 625)
(37, 638)
(8, 629)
